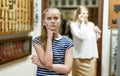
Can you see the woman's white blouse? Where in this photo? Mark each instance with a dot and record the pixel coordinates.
(85, 40)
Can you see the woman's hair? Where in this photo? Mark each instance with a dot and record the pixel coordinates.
(43, 37)
(78, 11)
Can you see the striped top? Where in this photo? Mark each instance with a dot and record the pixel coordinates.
(59, 48)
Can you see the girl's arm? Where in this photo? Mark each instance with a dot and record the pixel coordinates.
(98, 32)
(77, 32)
(48, 55)
(45, 55)
(67, 66)
(96, 29)
(40, 52)
(60, 68)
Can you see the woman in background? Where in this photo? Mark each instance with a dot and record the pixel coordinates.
(54, 51)
(85, 35)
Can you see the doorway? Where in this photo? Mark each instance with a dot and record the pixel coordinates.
(97, 21)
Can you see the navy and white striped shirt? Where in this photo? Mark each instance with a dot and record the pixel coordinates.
(59, 48)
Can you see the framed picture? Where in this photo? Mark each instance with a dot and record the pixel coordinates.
(86, 2)
(68, 15)
(94, 2)
(71, 2)
(16, 16)
(63, 2)
(56, 3)
(14, 48)
(113, 52)
(78, 2)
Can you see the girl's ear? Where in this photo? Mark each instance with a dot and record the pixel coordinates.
(61, 22)
(43, 23)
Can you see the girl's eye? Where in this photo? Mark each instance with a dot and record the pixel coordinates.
(84, 13)
(48, 18)
(55, 18)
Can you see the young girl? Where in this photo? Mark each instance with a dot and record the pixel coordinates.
(85, 35)
(54, 51)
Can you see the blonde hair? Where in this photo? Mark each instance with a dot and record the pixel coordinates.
(78, 11)
(43, 36)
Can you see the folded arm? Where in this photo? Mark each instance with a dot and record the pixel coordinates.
(60, 68)
(45, 56)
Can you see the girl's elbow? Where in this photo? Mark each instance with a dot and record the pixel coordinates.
(47, 65)
(67, 71)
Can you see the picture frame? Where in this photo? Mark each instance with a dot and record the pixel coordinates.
(113, 52)
(71, 2)
(86, 2)
(63, 2)
(56, 3)
(16, 16)
(94, 2)
(78, 2)
(14, 48)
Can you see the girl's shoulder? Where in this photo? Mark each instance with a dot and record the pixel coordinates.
(74, 23)
(67, 41)
(66, 38)
(37, 40)
(91, 24)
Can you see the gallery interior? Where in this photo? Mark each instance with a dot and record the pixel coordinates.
(20, 23)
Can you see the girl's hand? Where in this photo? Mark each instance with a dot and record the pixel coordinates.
(81, 18)
(96, 29)
(35, 60)
(49, 32)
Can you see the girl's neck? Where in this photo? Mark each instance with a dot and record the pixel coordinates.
(57, 37)
(83, 23)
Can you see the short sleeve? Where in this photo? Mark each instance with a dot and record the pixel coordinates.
(37, 40)
(69, 43)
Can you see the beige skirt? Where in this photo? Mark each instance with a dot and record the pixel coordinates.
(83, 67)
(57, 75)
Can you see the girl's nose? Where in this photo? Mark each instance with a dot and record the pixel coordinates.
(52, 20)
(86, 14)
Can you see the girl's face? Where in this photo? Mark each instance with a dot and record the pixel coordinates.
(83, 15)
(52, 20)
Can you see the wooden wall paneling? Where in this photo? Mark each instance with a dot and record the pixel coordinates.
(100, 25)
(114, 12)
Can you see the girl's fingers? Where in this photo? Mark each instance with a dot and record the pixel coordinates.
(97, 29)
